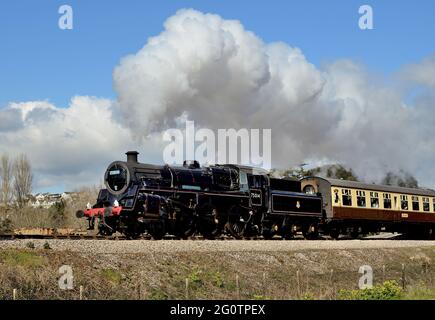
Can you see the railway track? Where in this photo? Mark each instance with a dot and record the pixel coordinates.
(61, 237)
(113, 237)
(12, 236)
(78, 234)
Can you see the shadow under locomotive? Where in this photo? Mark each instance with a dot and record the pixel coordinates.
(237, 200)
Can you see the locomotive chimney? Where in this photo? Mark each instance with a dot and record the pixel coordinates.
(132, 156)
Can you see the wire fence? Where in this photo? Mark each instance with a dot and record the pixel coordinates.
(296, 284)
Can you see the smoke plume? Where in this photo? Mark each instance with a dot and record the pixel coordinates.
(216, 73)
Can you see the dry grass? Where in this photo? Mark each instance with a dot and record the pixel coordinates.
(58, 216)
(261, 275)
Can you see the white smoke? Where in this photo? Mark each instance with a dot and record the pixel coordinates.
(220, 75)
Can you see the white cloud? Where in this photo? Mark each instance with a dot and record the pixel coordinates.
(421, 73)
(68, 146)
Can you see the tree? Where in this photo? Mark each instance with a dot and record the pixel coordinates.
(337, 171)
(58, 213)
(401, 179)
(345, 174)
(6, 180)
(23, 177)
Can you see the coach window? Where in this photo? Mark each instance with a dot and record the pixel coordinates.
(361, 198)
(426, 204)
(387, 201)
(374, 199)
(336, 196)
(347, 197)
(415, 203)
(404, 202)
(309, 189)
(433, 200)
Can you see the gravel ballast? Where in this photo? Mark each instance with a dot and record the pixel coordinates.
(167, 246)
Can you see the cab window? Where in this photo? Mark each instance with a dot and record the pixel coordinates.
(243, 180)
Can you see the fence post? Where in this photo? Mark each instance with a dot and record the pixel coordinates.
(403, 277)
(264, 284)
(139, 289)
(307, 283)
(237, 287)
(298, 282)
(187, 288)
(331, 282)
(81, 293)
(425, 267)
(14, 294)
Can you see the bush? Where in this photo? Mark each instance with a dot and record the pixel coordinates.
(195, 277)
(57, 213)
(26, 259)
(112, 275)
(158, 294)
(307, 296)
(6, 225)
(218, 280)
(389, 290)
(30, 245)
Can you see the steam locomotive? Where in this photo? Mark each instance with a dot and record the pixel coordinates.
(237, 200)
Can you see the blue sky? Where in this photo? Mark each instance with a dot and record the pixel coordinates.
(38, 61)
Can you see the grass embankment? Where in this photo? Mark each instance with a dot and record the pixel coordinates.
(323, 274)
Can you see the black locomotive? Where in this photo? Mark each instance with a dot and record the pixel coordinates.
(237, 200)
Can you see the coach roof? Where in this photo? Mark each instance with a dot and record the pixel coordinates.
(378, 187)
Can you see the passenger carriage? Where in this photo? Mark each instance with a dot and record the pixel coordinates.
(357, 208)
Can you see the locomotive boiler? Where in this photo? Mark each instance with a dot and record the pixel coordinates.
(237, 200)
